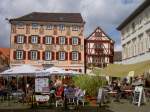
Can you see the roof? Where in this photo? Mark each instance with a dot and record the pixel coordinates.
(117, 56)
(5, 52)
(101, 31)
(135, 13)
(50, 17)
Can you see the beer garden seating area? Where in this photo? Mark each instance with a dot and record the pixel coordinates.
(27, 87)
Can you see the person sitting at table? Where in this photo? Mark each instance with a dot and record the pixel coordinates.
(59, 95)
(59, 91)
(118, 90)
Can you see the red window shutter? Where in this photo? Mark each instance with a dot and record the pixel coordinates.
(24, 55)
(57, 40)
(15, 39)
(43, 55)
(70, 56)
(14, 54)
(70, 41)
(38, 55)
(29, 55)
(79, 56)
(29, 39)
(53, 40)
(43, 40)
(53, 56)
(80, 70)
(66, 56)
(39, 39)
(57, 55)
(66, 40)
(25, 39)
(79, 41)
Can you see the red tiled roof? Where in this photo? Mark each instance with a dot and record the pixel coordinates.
(51, 17)
(5, 52)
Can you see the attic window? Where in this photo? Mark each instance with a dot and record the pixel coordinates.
(20, 25)
(98, 34)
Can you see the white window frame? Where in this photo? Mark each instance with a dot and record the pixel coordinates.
(34, 39)
(19, 55)
(75, 40)
(20, 25)
(48, 40)
(49, 27)
(20, 39)
(61, 27)
(62, 40)
(62, 55)
(75, 28)
(48, 55)
(35, 25)
(34, 55)
(75, 56)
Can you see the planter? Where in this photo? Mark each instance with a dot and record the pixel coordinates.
(92, 101)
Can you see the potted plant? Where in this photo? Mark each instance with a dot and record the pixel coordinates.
(90, 84)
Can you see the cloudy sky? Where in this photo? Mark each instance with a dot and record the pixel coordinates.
(107, 14)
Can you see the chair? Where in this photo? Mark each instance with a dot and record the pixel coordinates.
(81, 98)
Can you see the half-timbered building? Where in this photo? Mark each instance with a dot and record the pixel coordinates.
(99, 49)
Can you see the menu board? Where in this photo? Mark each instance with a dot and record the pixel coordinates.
(42, 85)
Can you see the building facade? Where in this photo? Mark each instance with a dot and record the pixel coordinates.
(48, 39)
(135, 35)
(99, 49)
(4, 58)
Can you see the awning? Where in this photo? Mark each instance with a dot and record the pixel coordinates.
(122, 70)
(22, 70)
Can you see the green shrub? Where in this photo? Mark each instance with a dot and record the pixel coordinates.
(89, 83)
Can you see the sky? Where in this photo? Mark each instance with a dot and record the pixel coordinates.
(107, 14)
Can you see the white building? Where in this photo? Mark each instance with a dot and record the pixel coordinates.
(135, 35)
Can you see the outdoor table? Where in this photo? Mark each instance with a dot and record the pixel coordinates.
(112, 94)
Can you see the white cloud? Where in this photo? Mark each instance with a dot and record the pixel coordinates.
(105, 13)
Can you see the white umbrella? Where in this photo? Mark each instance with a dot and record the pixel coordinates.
(22, 70)
(59, 71)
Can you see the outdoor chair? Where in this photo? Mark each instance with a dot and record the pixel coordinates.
(81, 98)
(59, 101)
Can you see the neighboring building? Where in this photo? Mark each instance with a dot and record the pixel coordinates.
(135, 35)
(48, 39)
(99, 49)
(117, 57)
(4, 58)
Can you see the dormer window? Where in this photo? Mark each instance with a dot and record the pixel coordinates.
(34, 25)
(20, 25)
(61, 27)
(49, 27)
(75, 28)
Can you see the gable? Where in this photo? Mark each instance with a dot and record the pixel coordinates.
(99, 34)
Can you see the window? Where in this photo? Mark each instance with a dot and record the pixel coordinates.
(75, 55)
(34, 55)
(34, 25)
(20, 39)
(75, 28)
(34, 39)
(74, 40)
(62, 40)
(61, 27)
(19, 55)
(20, 25)
(48, 40)
(48, 55)
(61, 55)
(49, 27)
